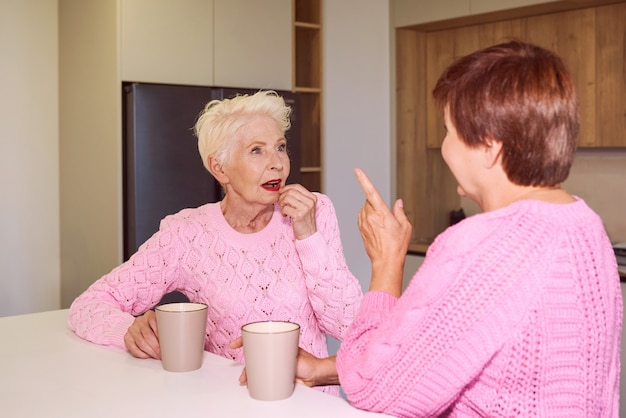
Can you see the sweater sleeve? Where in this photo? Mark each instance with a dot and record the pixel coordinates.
(414, 355)
(334, 293)
(103, 313)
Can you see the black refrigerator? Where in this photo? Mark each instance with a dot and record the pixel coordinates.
(162, 169)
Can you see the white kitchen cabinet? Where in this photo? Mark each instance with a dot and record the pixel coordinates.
(253, 44)
(412, 12)
(165, 41)
(232, 43)
(486, 6)
(415, 12)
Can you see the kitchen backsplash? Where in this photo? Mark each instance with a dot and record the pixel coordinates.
(598, 177)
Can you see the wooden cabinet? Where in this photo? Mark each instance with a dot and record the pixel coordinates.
(442, 47)
(591, 41)
(571, 34)
(611, 81)
(230, 43)
(307, 80)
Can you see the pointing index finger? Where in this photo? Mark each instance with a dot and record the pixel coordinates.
(371, 194)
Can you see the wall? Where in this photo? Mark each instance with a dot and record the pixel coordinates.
(29, 163)
(89, 148)
(356, 114)
(599, 177)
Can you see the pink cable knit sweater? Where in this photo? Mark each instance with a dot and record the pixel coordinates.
(515, 312)
(241, 277)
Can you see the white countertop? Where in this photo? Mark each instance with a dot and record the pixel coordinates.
(47, 371)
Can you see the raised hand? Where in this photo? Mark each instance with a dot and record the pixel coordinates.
(386, 237)
(299, 204)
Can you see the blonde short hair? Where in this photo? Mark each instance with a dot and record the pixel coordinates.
(219, 121)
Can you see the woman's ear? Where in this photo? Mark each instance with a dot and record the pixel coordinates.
(493, 152)
(217, 171)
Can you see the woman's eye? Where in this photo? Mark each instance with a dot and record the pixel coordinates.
(256, 150)
(282, 147)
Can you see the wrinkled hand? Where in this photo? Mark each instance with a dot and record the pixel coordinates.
(310, 370)
(313, 371)
(142, 337)
(299, 204)
(234, 344)
(386, 236)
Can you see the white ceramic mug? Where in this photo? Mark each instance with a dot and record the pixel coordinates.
(181, 328)
(270, 351)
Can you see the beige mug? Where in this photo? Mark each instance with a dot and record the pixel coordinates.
(181, 328)
(270, 351)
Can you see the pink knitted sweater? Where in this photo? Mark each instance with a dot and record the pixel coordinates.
(515, 312)
(241, 277)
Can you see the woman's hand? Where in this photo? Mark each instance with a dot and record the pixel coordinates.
(310, 370)
(234, 344)
(386, 237)
(313, 371)
(299, 204)
(142, 337)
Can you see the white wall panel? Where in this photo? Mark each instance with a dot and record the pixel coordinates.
(165, 41)
(253, 44)
(29, 157)
(412, 12)
(484, 6)
(356, 117)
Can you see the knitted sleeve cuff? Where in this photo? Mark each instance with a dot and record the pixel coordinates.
(309, 251)
(116, 329)
(378, 301)
(104, 328)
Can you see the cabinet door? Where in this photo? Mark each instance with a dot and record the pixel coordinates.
(498, 32)
(442, 48)
(253, 44)
(439, 55)
(572, 35)
(165, 41)
(611, 64)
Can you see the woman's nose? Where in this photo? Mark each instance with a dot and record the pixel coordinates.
(276, 162)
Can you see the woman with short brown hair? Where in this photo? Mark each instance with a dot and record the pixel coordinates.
(516, 311)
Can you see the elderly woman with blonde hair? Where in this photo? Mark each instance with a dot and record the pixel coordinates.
(267, 251)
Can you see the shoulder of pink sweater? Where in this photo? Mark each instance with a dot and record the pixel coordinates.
(521, 216)
(465, 235)
(191, 214)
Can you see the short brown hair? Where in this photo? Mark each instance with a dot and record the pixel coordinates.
(521, 95)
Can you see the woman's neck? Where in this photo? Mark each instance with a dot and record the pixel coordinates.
(516, 193)
(245, 218)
